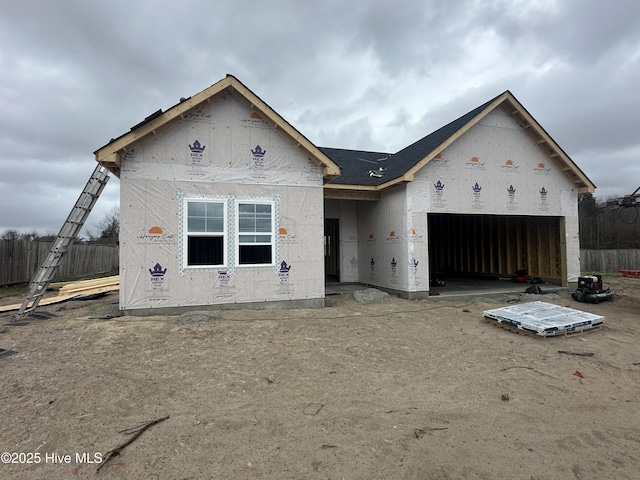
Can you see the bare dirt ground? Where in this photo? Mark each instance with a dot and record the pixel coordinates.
(391, 390)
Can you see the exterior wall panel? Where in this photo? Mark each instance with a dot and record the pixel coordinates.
(496, 169)
(228, 153)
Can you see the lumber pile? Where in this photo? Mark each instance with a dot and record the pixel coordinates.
(89, 287)
(68, 291)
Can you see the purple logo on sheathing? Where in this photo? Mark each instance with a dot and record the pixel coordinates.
(413, 267)
(157, 277)
(284, 268)
(258, 157)
(476, 188)
(544, 205)
(197, 147)
(439, 197)
(157, 271)
(223, 277)
(283, 273)
(196, 157)
(511, 191)
(372, 263)
(393, 262)
(258, 152)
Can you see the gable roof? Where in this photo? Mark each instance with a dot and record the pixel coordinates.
(110, 155)
(361, 170)
(343, 169)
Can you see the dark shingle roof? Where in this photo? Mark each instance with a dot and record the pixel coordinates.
(362, 167)
(359, 167)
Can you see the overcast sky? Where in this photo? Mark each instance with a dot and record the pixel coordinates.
(362, 74)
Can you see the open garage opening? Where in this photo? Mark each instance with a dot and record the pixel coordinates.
(497, 246)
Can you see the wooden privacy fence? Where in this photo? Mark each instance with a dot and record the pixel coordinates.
(609, 260)
(19, 260)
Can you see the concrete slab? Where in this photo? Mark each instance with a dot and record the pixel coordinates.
(456, 287)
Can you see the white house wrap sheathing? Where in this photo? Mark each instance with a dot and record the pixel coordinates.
(492, 169)
(391, 246)
(496, 169)
(224, 152)
(545, 319)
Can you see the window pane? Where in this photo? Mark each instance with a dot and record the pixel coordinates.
(254, 238)
(205, 251)
(263, 208)
(263, 225)
(205, 217)
(247, 225)
(254, 217)
(196, 225)
(215, 225)
(215, 210)
(196, 209)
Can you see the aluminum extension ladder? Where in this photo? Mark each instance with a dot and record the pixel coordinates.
(67, 235)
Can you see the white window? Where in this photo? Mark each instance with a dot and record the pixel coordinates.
(255, 233)
(205, 242)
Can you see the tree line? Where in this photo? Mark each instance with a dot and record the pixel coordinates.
(607, 225)
(108, 231)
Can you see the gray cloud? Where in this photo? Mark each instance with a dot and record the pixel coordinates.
(370, 75)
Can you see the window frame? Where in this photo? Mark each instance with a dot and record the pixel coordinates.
(224, 234)
(255, 232)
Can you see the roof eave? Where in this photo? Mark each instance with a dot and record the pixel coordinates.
(547, 144)
(410, 174)
(110, 155)
(531, 127)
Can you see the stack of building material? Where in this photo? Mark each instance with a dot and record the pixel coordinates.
(74, 290)
(544, 319)
(90, 287)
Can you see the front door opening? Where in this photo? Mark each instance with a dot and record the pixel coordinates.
(331, 249)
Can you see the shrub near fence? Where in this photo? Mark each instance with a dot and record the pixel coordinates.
(609, 260)
(20, 259)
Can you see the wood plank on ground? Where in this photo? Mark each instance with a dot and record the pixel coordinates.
(73, 290)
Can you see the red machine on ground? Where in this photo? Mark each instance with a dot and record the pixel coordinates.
(590, 290)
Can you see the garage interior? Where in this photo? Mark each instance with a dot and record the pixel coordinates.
(496, 246)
